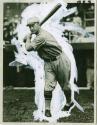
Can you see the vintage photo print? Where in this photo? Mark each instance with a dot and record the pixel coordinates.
(48, 62)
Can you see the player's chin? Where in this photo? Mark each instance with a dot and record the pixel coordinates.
(33, 32)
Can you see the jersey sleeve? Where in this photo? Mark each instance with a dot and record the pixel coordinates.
(38, 42)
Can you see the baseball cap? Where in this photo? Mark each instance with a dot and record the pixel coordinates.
(32, 20)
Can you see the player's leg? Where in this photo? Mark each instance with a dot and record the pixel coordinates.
(63, 74)
(50, 83)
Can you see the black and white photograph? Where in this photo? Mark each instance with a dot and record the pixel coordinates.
(49, 61)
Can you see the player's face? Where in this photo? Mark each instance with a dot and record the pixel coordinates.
(34, 27)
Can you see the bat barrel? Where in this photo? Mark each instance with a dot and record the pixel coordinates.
(51, 13)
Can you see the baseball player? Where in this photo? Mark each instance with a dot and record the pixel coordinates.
(56, 63)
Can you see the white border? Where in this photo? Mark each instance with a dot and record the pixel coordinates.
(1, 67)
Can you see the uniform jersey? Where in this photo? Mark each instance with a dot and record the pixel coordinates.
(46, 45)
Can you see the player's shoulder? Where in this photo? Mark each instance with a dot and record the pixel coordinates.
(46, 35)
(43, 33)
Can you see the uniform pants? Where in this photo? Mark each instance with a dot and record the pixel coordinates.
(57, 71)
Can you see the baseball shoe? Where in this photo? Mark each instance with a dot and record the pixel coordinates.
(47, 113)
(67, 107)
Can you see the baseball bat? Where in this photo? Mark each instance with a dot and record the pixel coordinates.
(50, 13)
(14, 63)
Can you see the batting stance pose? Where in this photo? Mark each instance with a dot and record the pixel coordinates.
(56, 63)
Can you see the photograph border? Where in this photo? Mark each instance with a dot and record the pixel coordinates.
(1, 66)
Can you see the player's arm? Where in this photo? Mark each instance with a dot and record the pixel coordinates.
(28, 44)
(35, 44)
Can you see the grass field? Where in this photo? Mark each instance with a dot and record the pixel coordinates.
(18, 106)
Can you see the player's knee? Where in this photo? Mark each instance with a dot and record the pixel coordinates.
(49, 86)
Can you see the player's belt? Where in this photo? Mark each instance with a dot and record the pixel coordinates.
(52, 59)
